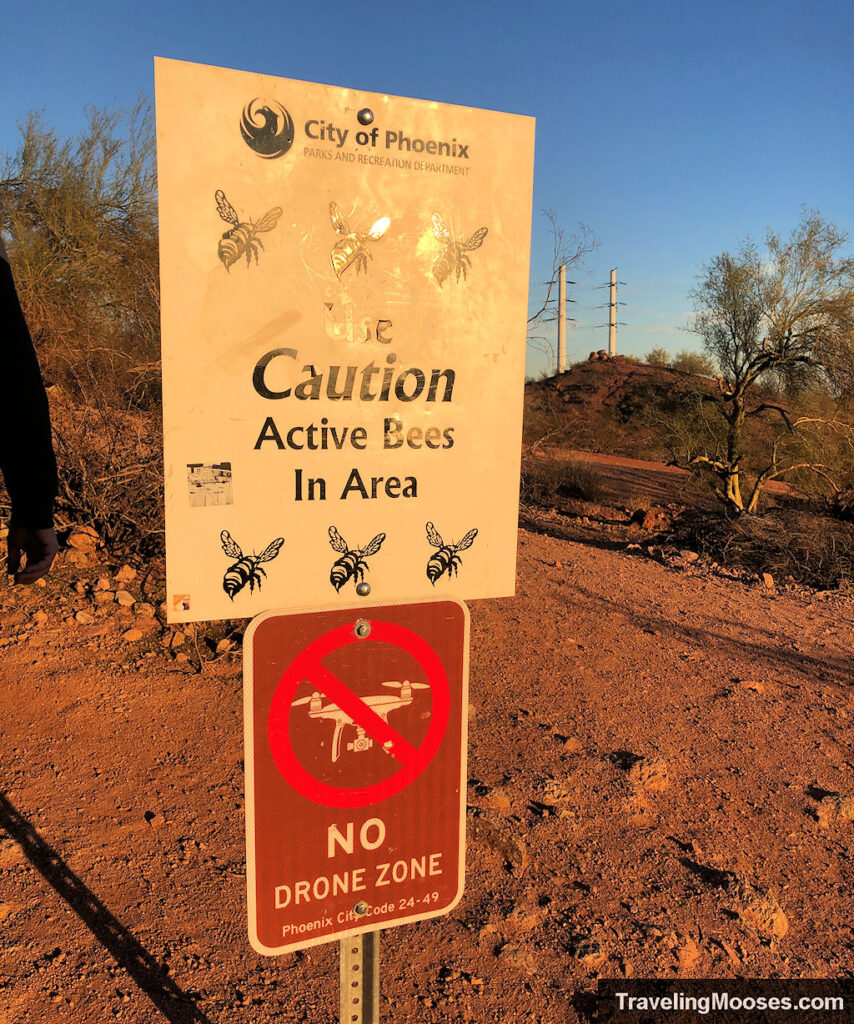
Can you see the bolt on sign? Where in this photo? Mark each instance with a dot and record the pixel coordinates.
(344, 284)
(355, 735)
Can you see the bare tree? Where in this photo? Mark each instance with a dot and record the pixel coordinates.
(784, 315)
(568, 250)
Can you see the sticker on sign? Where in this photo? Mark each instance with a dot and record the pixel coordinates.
(355, 732)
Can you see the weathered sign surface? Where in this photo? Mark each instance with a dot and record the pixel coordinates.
(355, 736)
(344, 290)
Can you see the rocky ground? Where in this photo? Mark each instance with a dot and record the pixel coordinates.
(660, 777)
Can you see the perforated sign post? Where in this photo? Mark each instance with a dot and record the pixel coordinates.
(355, 724)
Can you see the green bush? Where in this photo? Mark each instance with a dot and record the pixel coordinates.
(657, 357)
(694, 362)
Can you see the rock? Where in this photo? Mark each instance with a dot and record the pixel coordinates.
(84, 618)
(131, 635)
(85, 539)
(591, 954)
(143, 610)
(768, 580)
(75, 557)
(500, 839)
(690, 556)
(751, 684)
(496, 799)
(761, 911)
(178, 639)
(655, 519)
(224, 645)
(689, 954)
(519, 957)
(103, 584)
(104, 597)
(40, 617)
(556, 791)
(526, 918)
(834, 808)
(734, 958)
(125, 574)
(11, 856)
(125, 599)
(572, 744)
(652, 774)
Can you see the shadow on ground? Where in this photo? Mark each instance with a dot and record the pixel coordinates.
(151, 977)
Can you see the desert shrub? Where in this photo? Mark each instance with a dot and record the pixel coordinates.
(547, 481)
(79, 219)
(693, 362)
(112, 472)
(549, 420)
(809, 547)
(657, 357)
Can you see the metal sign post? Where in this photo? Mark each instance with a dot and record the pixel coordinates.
(359, 999)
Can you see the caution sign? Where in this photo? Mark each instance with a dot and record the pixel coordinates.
(344, 282)
(355, 729)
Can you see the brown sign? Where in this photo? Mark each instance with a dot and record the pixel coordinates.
(355, 731)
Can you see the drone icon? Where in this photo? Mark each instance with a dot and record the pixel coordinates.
(381, 703)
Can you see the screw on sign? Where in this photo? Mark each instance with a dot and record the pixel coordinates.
(355, 759)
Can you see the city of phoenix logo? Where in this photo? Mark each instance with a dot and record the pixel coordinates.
(267, 128)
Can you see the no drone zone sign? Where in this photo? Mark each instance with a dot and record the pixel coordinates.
(355, 738)
(344, 281)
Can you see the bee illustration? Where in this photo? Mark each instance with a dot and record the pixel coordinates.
(351, 564)
(452, 257)
(352, 248)
(242, 238)
(445, 560)
(247, 568)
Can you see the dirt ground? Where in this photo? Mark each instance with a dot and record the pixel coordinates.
(660, 759)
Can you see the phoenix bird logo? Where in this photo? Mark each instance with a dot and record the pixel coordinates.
(267, 128)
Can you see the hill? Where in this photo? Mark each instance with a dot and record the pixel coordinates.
(608, 405)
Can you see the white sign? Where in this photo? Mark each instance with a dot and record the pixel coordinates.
(344, 290)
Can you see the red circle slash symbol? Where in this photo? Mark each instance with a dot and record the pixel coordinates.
(309, 665)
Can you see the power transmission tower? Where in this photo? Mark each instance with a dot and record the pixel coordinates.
(548, 315)
(561, 320)
(612, 316)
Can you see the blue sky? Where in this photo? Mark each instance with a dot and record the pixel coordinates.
(673, 129)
